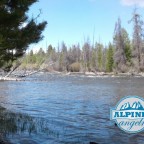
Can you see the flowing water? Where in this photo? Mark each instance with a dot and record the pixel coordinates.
(56, 109)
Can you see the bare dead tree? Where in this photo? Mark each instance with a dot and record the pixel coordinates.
(86, 55)
(119, 56)
(137, 38)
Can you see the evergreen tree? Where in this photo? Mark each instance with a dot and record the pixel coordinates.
(49, 50)
(14, 36)
(127, 45)
(31, 53)
(93, 59)
(99, 48)
(104, 58)
(86, 55)
(41, 52)
(110, 60)
(63, 58)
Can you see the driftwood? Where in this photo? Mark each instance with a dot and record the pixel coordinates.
(16, 77)
(12, 70)
(27, 74)
(9, 79)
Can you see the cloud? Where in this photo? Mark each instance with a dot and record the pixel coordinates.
(139, 3)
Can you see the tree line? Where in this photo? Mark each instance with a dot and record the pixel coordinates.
(74, 59)
(121, 55)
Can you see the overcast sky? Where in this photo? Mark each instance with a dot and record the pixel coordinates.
(72, 21)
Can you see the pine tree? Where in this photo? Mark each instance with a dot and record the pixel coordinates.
(14, 36)
(86, 55)
(99, 48)
(49, 50)
(110, 60)
(127, 46)
(64, 55)
(93, 59)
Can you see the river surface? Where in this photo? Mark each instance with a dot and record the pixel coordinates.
(57, 109)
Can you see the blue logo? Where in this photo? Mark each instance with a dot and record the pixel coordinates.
(129, 114)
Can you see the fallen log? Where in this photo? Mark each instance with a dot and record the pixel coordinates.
(12, 70)
(27, 74)
(10, 79)
(17, 77)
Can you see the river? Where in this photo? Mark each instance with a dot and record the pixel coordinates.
(58, 109)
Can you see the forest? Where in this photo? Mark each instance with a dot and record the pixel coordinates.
(122, 55)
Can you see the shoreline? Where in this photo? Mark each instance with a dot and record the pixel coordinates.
(13, 77)
(103, 74)
(94, 74)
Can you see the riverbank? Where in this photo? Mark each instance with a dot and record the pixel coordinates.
(21, 75)
(103, 74)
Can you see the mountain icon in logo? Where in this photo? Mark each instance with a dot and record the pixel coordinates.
(128, 114)
(134, 106)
